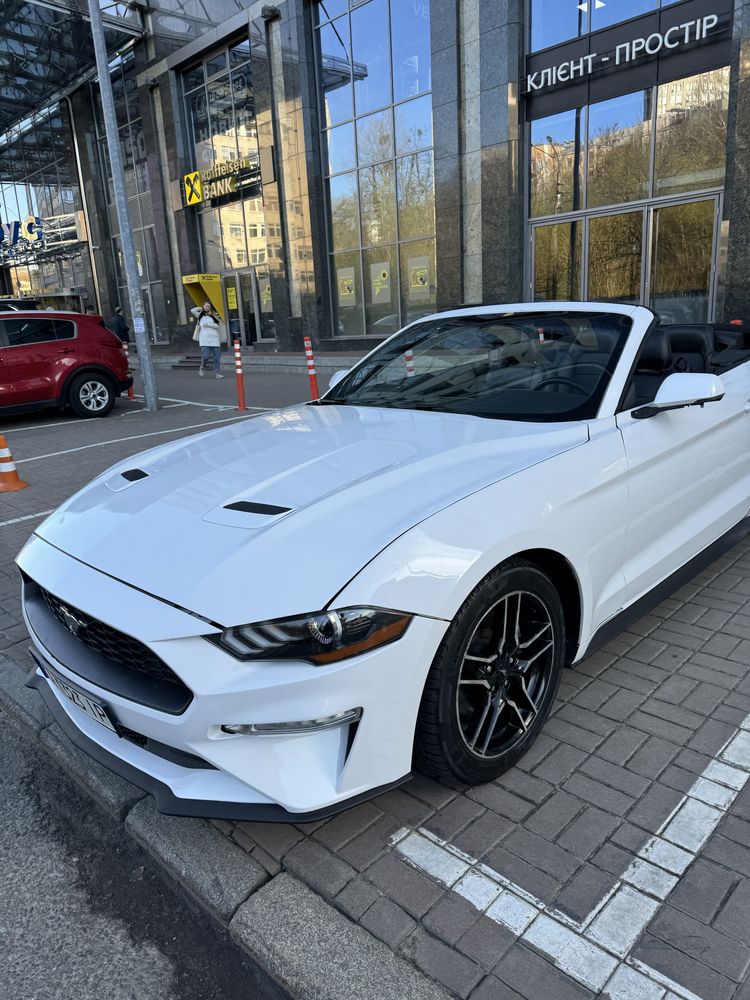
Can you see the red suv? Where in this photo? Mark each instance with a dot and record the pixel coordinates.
(60, 359)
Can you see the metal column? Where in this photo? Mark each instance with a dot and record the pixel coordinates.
(121, 205)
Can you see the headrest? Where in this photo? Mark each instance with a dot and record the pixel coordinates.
(656, 355)
(689, 340)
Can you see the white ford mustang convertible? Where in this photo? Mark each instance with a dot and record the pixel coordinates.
(279, 618)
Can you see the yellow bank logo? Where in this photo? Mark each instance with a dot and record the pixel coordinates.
(193, 188)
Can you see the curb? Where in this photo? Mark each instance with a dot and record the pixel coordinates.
(304, 943)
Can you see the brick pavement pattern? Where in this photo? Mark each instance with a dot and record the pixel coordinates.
(633, 727)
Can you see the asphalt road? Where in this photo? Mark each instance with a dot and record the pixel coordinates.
(84, 915)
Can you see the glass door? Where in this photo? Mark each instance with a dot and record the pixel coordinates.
(682, 256)
(662, 256)
(615, 257)
(557, 261)
(248, 307)
(232, 308)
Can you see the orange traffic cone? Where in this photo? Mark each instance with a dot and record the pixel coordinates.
(10, 481)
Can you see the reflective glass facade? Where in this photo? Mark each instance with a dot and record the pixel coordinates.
(44, 252)
(375, 81)
(645, 149)
(388, 158)
(222, 128)
(552, 22)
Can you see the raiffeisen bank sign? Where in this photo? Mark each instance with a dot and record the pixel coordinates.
(223, 179)
(679, 40)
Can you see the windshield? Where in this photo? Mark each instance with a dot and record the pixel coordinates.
(511, 366)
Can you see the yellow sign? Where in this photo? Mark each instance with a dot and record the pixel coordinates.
(202, 287)
(419, 277)
(220, 180)
(232, 297)
(193, 188)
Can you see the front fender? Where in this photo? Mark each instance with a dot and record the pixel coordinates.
(574, 505)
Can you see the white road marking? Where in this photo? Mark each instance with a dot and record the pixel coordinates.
(206, 406)
(26, 517)
(597, 950)
(133, 437)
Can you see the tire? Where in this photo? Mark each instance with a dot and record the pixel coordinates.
(91, 395)
(514, 691)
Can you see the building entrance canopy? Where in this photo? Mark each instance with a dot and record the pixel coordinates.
(46, 46)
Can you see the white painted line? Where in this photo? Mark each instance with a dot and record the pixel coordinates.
(39, 427)
(430, 857)
(712, 793)
(512, 912)
(693, 824)
(627, 984)
(651, 879)
(623, 920)
(597, 951)
(206, 406)
(133, 437)
(478, 889)
(575, 956)
(738, 750)
(665, 855)
(659, 977)
(26, 517)
(723, 774)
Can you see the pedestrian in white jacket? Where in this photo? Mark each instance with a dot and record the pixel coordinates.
(210, 334)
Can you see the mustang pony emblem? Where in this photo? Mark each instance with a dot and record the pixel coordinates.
(73, 624)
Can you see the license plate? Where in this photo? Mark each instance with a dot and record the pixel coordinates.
(88, 705)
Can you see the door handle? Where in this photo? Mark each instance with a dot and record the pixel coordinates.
(66, 350)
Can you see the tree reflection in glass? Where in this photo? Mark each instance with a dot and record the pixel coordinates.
(556, 162)
(557, 261)
(615, 244)
(691, 127)
(618, 151)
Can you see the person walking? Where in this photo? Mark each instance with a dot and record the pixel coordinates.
(210, 334)
(119, 327)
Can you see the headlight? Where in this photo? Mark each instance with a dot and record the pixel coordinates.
(319, 638)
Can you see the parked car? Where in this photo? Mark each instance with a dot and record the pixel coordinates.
(280, 618)
(60, 359)
(16, 305)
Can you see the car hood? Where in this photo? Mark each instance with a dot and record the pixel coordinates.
(352, 479)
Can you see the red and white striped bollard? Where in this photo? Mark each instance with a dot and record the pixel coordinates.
(126, 352)
(409, 358)
(311, 373)
(238, 375)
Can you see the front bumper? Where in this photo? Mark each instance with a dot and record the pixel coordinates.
(290, 777)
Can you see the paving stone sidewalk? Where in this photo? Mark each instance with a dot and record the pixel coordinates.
(635, 726)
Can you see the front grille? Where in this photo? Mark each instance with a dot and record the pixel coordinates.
(108, 642)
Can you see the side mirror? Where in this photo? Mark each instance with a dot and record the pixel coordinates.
(683, 389)
(336, 377)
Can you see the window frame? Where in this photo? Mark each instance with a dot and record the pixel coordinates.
(5, 336)
(360, 248)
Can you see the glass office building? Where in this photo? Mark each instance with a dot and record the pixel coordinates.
(343, 167)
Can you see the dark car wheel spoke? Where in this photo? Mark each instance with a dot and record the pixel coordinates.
(504, 673)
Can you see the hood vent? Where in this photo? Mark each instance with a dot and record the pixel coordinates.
(247, 507)
(133, 475)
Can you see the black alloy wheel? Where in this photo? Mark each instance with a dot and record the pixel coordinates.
(494, 677)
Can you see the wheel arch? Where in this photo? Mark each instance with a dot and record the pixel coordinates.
(88, 369)
(565, 580)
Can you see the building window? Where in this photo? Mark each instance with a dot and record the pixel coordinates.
(220, 117)
(625, 198)
(374, 81)
(553, 22)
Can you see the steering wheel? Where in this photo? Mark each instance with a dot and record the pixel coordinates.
(561, 380)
